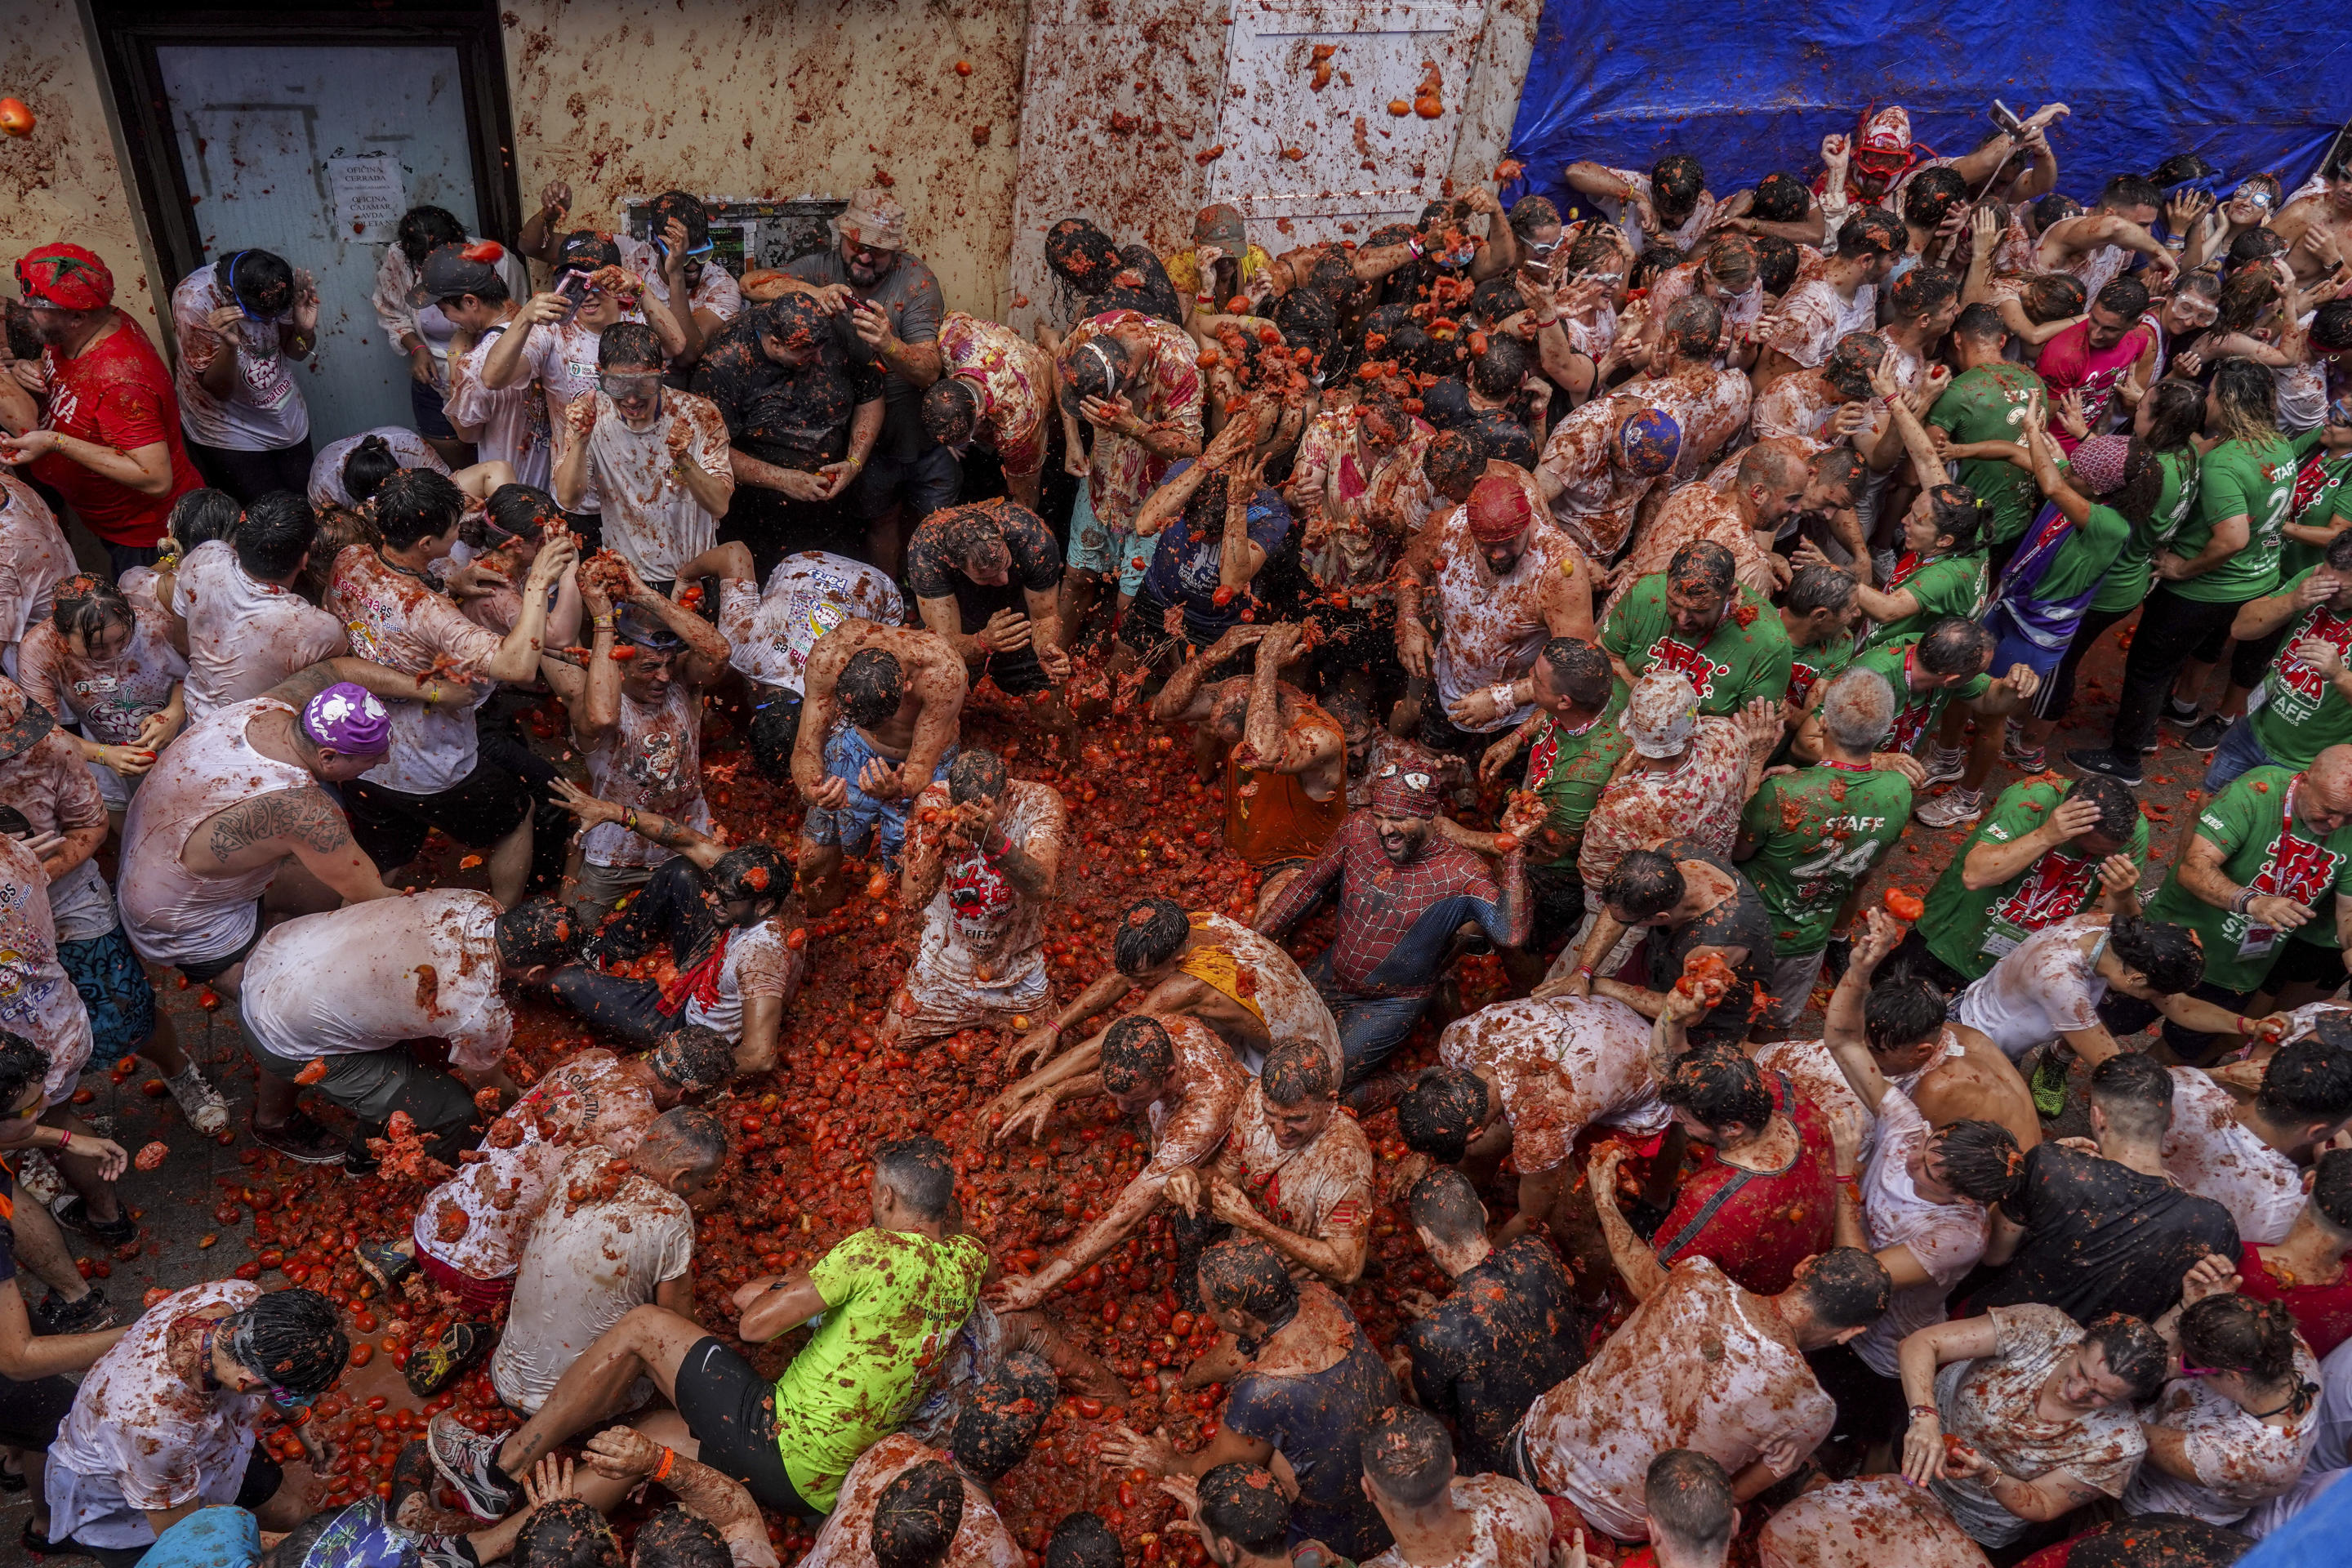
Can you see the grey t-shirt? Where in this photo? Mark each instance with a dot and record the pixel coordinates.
(910, 292)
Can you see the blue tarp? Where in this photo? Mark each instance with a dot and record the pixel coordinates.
(1750, 89)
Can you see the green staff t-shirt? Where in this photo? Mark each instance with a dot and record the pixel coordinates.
(1570, 770)
(1988, 404)
(1973, 929)
(1746, 656)
(2247, 820)
(1817, 833)
(2128, 580)
(2297, 713)
(1916, 713)
(2086, 556)
(1943, 584)
(2239, 479)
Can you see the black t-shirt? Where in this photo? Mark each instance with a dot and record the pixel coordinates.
(1318, 1422)
(2101, 1237)
(1742, 921)
(1155, 296)
(910, 293)
(1510, 1332)
(940, 543)
(796, 417)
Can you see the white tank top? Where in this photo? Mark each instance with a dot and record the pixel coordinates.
(172, 914)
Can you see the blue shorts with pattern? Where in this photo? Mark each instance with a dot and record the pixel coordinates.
(853, 825)
(115, 988)
(1095, 548)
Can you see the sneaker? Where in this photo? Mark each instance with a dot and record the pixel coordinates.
(53, 1314)
(1953, 808)
(73, 1213)
(199, 1101)
(2123, 770)
(38, 1177)
(1945, 766)
(2181, 713)
(301, 1140)
(385, 1264)
(2018, 754)
(434, 1367)
(468, 1460)
(2206, 733)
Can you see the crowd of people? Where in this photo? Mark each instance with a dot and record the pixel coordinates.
(1604, 591)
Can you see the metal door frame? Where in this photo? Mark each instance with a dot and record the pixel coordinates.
(131, 31)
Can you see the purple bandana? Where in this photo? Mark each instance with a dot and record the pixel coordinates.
(344, 718)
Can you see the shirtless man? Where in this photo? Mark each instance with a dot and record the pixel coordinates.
(1172, 1071)
(1599, 466)
(1283, 760)
(2098, 245)
(1201, 965)
(1292, 1172)
(1951, 1073)
(898, 693)
(234, 799)
(984, 865)
(1705, 1365)
(2320, 222)
(1506, 581)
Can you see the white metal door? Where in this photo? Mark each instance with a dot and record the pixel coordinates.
(1333, 163)
(257, 127)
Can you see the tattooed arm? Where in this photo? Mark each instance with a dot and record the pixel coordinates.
(305, 823)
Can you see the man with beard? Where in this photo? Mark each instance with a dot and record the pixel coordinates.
(2320, 211)
(1770, 484)
(655, 454)
(984, 865)
(682, 228)
(804, 407)
(1831, 298)
(1403, 891)
(894, 302)
(1697, 620)
(1507, 581)
(108, 438)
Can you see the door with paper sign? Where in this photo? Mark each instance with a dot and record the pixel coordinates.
(314, 152)
(1312, 150)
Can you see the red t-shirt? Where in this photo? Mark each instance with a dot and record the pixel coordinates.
(2324, 1312)
(1759, 1225)
(117, 394)
(2069, 363)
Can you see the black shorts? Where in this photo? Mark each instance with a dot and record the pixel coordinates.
(200, 970)
(478, 811)
(731, 1411)
(1017, 673)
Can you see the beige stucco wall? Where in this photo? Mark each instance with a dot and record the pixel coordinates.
(64, 182)
(743, 97)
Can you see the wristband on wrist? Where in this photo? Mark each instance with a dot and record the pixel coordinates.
(661, 1471)
(65, 1139)
(1927, 1411)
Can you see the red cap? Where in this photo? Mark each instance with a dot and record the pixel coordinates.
(67, 277)
(1498, 510)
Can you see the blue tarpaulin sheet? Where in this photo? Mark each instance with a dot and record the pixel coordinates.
(1750, 89)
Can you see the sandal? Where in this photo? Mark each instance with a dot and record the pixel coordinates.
(39, 1545)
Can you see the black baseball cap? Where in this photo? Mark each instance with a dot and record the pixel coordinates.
(450, 271)
(586, 250)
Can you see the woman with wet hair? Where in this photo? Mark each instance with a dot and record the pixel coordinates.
(2235, 1429)
(109, 667)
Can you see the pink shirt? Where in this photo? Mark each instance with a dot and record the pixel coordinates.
(2069, 363)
